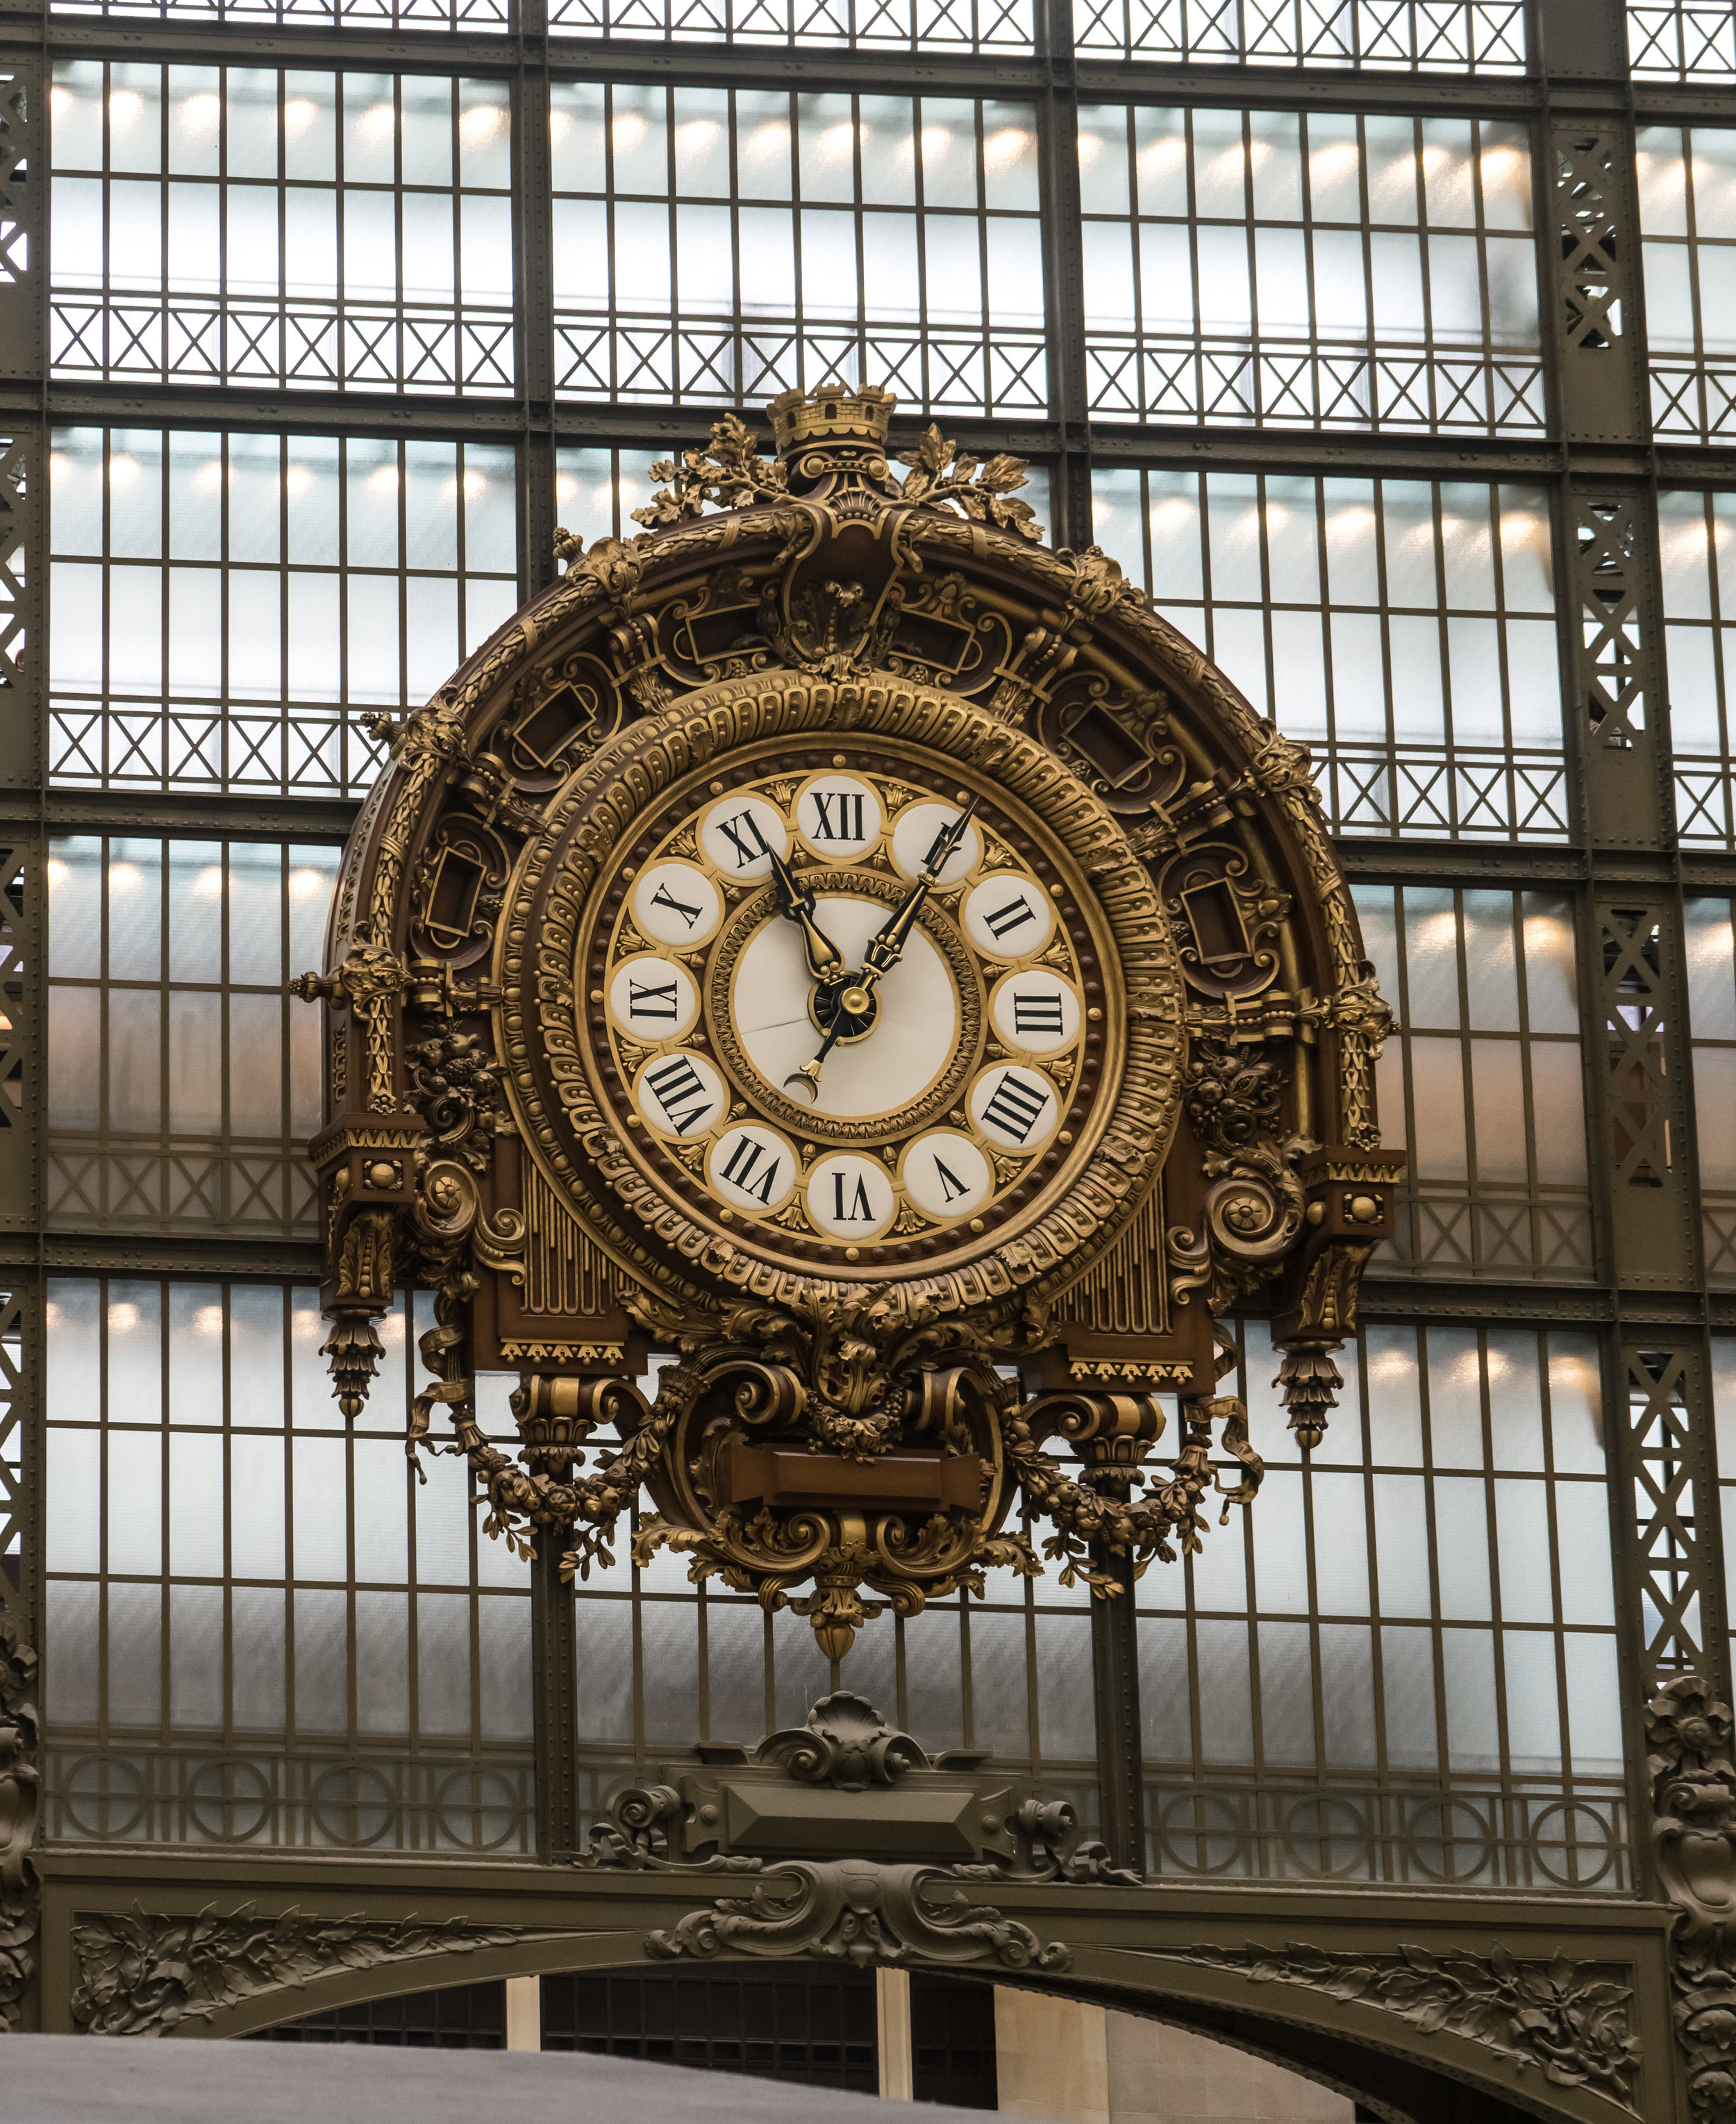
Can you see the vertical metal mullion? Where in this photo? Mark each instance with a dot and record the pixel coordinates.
(1443, 1722)
(1057, 177)
(1497, 1613)
(554, 1616)
(531, 176)
(859, 217)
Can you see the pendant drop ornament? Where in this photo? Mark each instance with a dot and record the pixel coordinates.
(838, 945)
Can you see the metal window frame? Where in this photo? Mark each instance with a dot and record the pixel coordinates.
(1598, 456)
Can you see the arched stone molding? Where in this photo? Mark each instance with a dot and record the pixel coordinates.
(1181, 1955)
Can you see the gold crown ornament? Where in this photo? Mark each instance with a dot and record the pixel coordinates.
(835, 428)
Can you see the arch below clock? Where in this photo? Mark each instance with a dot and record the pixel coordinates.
(1365, 2054)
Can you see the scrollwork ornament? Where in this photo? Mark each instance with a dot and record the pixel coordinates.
(144, 1973)
(854, 1911)
(1567, 2020)
(1689, 1737)
(1233, 1098)
(20, 1800)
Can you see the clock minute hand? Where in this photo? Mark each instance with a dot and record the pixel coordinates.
(855, 1002)
(824, 958)
(886, 947)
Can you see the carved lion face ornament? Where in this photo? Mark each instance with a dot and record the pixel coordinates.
(835, 943)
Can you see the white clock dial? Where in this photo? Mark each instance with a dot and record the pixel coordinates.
(675, 904)
(838, 817)
(850, 1196)
(741, 834)
(1035, 1010)
(653, 999)
(680, 1094)
(750, 1167)
(1008, 915)
(916, 1029)
(1017, 1108)
(946, 1174)
(914, 833)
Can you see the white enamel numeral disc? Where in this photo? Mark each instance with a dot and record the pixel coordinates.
(946, 1174)
(1008, 915)
(914, 833)
(653, 999)
(850, 1197)
(1035, 1010)
(741, 834)
(1016, 1108)
(680, 1095)
(750, 1167)
(838, 817)
(674, 903)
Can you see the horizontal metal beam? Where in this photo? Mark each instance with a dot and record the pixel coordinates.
(655, 428)
(243, 817)
(1498, 862)
(121, 1253)
(1474, 1299)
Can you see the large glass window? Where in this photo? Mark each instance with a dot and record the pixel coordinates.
(1311, 271)
(222, 603)
(1400, 1664)
(1687, 199)
(1482, 1079)
(237, 225)
(1697, 542)
(717, 246)
(183, 1081)
(261, 1629)
(1403, 627)
(1711, 969)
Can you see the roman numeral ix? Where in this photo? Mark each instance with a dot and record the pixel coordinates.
(652, 999)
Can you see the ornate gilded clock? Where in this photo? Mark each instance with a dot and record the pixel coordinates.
(835, 942)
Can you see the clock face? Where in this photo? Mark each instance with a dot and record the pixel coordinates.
(848, 1007)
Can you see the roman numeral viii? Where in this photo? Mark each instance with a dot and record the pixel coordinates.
(680, 1093)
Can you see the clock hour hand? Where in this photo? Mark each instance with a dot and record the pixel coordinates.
(824, 958)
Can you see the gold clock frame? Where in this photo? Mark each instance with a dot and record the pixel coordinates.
(860, 1418)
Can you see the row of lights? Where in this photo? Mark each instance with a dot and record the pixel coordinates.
(124, 470)
(478, 123)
